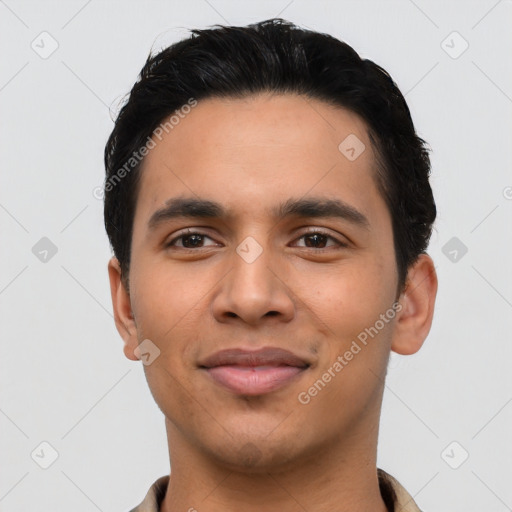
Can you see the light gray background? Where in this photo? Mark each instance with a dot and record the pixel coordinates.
(64, 378)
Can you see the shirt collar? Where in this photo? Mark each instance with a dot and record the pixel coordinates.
(397, 499)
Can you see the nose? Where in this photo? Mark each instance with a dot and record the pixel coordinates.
(254, 290)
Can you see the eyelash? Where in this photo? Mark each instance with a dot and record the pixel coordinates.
(308, 233)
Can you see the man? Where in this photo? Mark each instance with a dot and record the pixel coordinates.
(268, 203)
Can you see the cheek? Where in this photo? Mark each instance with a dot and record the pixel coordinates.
(164, 297)
(350, 304)
(347, 299)
(166, 306)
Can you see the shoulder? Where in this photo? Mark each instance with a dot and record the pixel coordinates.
(154, 496)
(396, 498)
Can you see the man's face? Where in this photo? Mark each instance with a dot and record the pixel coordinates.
(252, 279)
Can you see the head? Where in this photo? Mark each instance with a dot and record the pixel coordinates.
(268, 136)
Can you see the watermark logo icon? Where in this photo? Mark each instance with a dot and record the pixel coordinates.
(351, 147)
(44, 45)
(454, 455)
(44, 250)
(249, 250)
(147, 352)
(454, 249)
(454, 45)
(44, 455)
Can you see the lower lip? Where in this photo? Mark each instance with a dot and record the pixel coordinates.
(246, 380)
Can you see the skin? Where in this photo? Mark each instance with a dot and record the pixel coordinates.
(268, 452)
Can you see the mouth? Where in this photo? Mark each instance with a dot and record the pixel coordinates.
(254, 373)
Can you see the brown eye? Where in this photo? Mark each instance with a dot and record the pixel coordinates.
(315, 239)
(319, 240)
(189, 240)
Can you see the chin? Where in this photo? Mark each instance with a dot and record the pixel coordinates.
(255, 456)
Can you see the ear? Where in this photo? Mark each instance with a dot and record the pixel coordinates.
(123, 315)
(417, 300)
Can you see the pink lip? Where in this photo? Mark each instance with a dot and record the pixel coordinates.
(254, 372)
(251, 380)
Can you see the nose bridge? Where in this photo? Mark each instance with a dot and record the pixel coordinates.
(254, 258)
(251, 289)
(251, 275)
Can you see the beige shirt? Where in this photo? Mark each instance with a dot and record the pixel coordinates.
(401, 502)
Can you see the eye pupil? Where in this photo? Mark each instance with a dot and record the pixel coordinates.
(188, 237)
(316, 236)
(312, 240)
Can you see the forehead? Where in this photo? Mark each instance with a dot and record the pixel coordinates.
(253, 153)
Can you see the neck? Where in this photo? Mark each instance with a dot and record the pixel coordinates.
(339, 476)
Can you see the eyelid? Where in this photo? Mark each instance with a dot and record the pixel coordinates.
(185, 232)
(309, 231)
(324, 232)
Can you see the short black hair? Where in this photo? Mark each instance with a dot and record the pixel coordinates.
(273, 56)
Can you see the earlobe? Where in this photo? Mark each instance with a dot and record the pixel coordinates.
(121, 304)
(417, 300)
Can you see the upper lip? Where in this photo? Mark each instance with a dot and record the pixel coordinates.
(266, 356)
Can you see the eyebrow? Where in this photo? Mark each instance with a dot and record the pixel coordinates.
(310, 207)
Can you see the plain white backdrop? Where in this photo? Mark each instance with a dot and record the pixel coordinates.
(447, 413)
